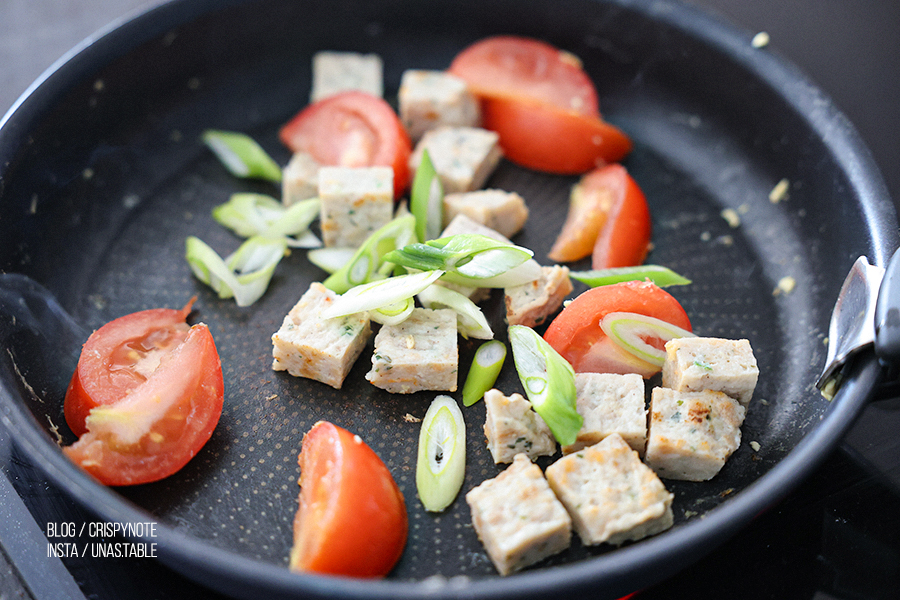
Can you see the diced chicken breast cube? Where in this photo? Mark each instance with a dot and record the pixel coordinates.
(610, 494)
(504, 212)
(335, 72)
(428, 99)
(512, 427)
(518, 518)
(463, 157)
(421, 353)
(692, 434)
(699, 363)
(531, 303)
(610, 403)
(308, 345)
(355, 202)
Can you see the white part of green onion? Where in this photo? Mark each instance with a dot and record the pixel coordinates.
(330, 259)
(470, 321)
(249, 214)
(630, 330)
(241, 155)
(426, 200)
(483, 373)
(393, 314)
(244, 275)
(527, 272)
(549, 382)
(380, 294)
(441, 462)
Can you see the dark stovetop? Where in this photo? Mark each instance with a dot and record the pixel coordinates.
(837, 536)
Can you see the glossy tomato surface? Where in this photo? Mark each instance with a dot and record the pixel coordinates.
(576, 333)
(608, 219)
(521, 67)
(352, 516)
(547, 138)
(158, 425)
(352, 129)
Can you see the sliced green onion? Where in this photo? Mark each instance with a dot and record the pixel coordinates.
(630, 330)
(241, 155)
(441, 462)
(393, 314)
(661, 276)
(366, 263)
(380, 294)
(484, 371)
(426, 200)
(527, 272)
(468, 259)
(470, 321)
(249, 214)
(330, 259)
(244, 275)
(549, 382)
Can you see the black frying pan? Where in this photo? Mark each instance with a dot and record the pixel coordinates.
(102, 177)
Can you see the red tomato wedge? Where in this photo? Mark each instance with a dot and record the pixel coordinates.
(157, 426)
(352, 129)
(523, 67)
(608, 219)
(576, 333)
(549, 139)
(120, 356)
(352, 518)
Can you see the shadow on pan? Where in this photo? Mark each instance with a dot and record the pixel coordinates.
(103, 178)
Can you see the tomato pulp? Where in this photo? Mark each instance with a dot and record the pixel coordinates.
(352, 517)
(352, 129)
(576, 333)
(145, 397)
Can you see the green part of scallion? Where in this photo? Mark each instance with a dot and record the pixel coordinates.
(241, 155)
(485, 370)
(426, 200)
(467, 259)
(244, 275)
(249, 214)
(382, 294)
(549, 382)
(441, 461)
(661, 276)
(367, 263)
(470, 321)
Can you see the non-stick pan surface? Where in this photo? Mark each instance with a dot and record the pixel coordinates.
(102, 178)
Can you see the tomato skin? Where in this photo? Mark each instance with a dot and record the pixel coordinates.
(546, 138)
(352, 516)
(576, 334)
(99, 378)
(608, 219)
(171, 416)
(508, 65)
(352, 129)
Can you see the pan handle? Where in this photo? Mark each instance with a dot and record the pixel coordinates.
(887, 314)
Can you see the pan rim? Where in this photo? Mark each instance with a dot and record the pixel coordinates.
(180, 550)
